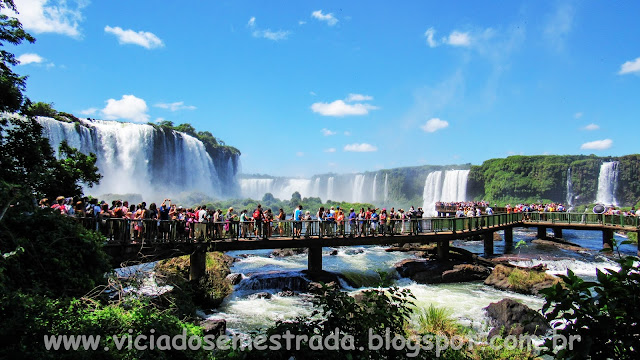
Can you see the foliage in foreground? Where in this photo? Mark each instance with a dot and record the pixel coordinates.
(605, 314)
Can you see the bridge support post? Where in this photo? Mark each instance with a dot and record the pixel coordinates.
(607, 239)
(508, 236)
(488, 243)
(315, 259)
(557, 232)
(443, 250)
(197, 265)
(542, 232)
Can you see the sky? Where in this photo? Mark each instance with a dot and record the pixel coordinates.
(311, 87)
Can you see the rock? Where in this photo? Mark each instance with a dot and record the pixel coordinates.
(435, 272)
(525, 281)
(286, 293)
(334, 252)
(466, 272)
(288, 252)
(215, 327)
(234, 279)
(496, 236)
(261, 295)
(515, 318)
(565, 245)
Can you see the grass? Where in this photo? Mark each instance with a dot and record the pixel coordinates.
(438, 321)
(376, 278)
(523, 280)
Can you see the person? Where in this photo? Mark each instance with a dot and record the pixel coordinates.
(383, 221)
(281, 218)
(257, 219)
(307, 219)
(340, 222)
(362, 218)
(329, 218)
(352, 222)
(320, 216)
(374, 222)
(419, 215)
(268, 222)
(231, 223)
(59, 205)
(297, 221)
(163, 216)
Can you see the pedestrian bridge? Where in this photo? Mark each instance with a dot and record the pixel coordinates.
(159, 240)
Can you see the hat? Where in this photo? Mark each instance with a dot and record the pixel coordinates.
(384, 209)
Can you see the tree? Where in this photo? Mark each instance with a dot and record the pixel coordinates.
(41, 109)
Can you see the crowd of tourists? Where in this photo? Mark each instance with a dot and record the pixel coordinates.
(195, 222)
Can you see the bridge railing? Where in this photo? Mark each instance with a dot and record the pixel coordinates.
(582, 218)
(127, 231)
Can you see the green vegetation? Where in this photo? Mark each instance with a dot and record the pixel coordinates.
(211, 143)
(375, 278)
(523, 280)
(209, 291)
(438, 321)
(543, 178)
(604, 313)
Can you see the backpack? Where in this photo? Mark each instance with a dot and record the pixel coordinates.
(257, 214)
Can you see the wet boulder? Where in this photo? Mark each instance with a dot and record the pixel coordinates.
(509, 317)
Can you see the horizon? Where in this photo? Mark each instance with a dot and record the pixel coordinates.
(324, 87)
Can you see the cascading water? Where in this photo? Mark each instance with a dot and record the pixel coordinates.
(608, 183)
(142, 159)
(450, 187)
(569, 188)
(330, 181)
(386, 187)
(316, 188)
(432, 192)
(358, 187)
(373, 188)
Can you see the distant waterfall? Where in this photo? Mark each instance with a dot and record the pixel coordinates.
(569, 188)
(280, 188)
(142, 159)
(386, 187)
(316, 188)
(608, 183)
(330, 181)
(358, 186)
(450, 187)
(374, 188)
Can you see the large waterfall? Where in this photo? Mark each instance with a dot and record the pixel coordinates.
(450, 187)
(142, 159)
(569, 188)
(608, 183)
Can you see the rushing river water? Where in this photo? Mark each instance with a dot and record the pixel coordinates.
(244, 311)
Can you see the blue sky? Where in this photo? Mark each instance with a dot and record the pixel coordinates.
(307, 87)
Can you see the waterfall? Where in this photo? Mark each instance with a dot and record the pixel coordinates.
(386, 188)
(357, 189)
(432, 192)
(281, 188)
(142, 159)
(450, 187)
(569, 188)
(608, 183)
(330, 181)
(373, 188)
(256, 188)
(316, 188)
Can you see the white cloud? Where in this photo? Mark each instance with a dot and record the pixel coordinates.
(597, 145)
(61, 18)
(340, 108)
(347, 133)
(175, 106)
(301, 22)
(457, 38)
(267, 33)
(271, 35)
(89, 111)
(559, 25)
(434, 124)
(129, 107)
(30, 58)
(358, 97)
(364, 147)
(330, 150)
(630, 67)
(328, 18)
(143, 38)
(591, 127)
(429, 35)
(312, 93)
(327, 132)
(300, 154)
(578, 115)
